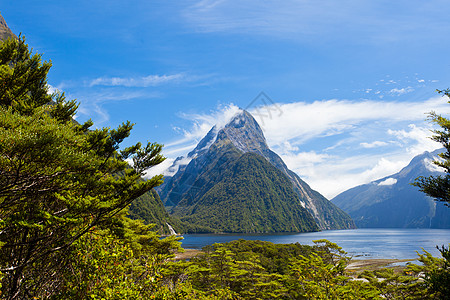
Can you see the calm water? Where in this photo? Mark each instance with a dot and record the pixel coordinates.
(360, 243)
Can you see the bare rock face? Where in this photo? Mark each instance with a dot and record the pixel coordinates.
(209, 159)
(5, 32)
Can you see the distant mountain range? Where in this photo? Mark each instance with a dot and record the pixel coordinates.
(233, 182)
(392, 202)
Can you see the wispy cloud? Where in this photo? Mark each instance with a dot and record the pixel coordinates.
(373, 144)
(401, 91)
(161, 168)
(51, 89)
(91, 103)
(302, 121)
(145, 81)
(302, 19)
(398, 131)
(420, 137)
(94, 93)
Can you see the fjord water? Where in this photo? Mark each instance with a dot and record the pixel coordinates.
(360, 243)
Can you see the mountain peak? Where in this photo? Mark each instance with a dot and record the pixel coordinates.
(241, 129)
(244, 132)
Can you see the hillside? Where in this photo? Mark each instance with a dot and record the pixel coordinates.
(149, 208)
(251, 197)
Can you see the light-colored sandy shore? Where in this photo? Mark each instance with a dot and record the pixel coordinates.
(359, 265)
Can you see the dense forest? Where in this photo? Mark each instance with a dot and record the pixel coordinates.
(261, 199)
(65, 190)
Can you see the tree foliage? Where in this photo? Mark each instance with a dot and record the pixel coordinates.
(58, 179)
(438, 187)
(439, 277)
(263, 270)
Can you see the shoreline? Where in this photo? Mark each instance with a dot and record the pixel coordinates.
(356, 265)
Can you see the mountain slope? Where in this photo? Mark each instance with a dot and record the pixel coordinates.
(251, 197)
(5, 32)
(392, 202)
(216, 154)
(150, 209)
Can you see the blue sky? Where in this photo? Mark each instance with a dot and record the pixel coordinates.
(350, 82)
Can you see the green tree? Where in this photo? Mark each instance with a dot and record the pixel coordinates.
(438, 187)
(58, 179)
(126, 263)
(439, 278)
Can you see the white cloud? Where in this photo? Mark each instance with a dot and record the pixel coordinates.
(342, 172)
(373, 144)
(388, 181)
(384, 167)
(169, 167)
(337, 174)
(204, 122)
(287, 147)
(146, 81)
(162, 168)
(419, 136)
(337, 167)
(302, 121)
(401, 91)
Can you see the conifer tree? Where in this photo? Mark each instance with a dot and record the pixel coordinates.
(58, 179)
(438, 187)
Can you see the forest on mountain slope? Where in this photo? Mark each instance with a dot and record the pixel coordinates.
(65, 189)
(251, 196)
